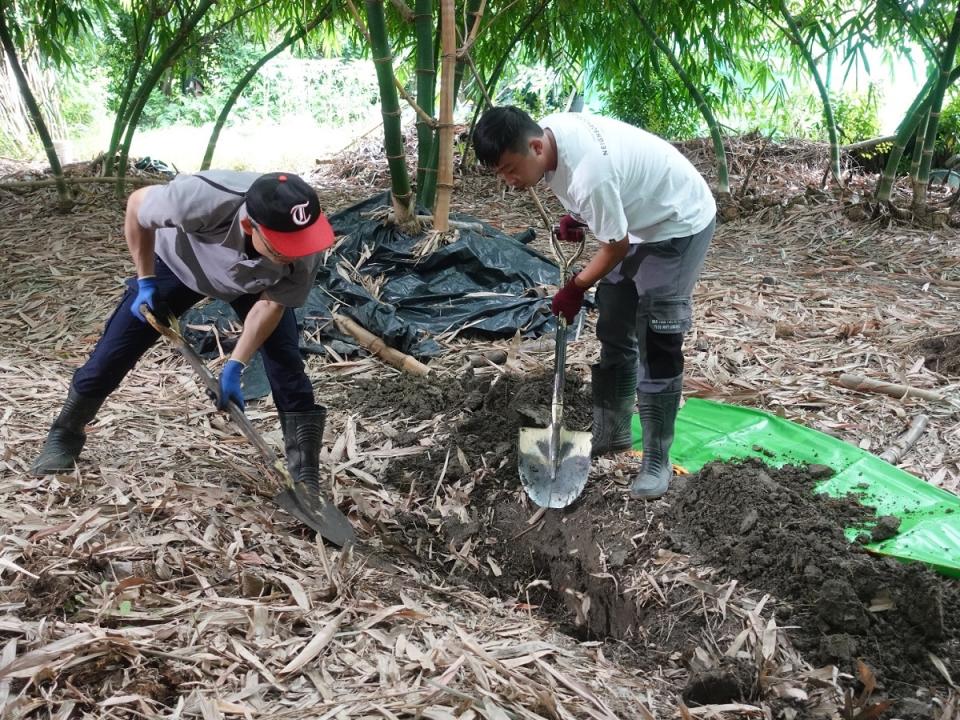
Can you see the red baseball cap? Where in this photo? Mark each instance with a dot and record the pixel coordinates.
(287, 210)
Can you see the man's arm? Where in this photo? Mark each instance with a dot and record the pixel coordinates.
(261, 321)
(605, 260)
(140, 240)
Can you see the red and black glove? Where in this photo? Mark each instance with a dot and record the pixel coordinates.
(568, 300)
(570, 229)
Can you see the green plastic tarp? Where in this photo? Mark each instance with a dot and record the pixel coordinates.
(930, 517)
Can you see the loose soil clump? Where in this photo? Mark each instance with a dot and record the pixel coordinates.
(765, 527)
(768, 528)
(942, 354)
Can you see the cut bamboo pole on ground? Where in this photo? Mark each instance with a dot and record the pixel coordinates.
(378, 347)
(864, 384)
(895, 452)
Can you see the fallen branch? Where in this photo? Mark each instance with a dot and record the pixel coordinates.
(379, 348)
(865, 144)
(895, 452)
(863, 384)
(82, 180)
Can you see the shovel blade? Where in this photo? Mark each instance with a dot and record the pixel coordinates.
(318, 514)
(554, 482)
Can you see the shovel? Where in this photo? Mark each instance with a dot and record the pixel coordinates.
(317, 513)
(555, 462)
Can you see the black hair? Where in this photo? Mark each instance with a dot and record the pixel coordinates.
(503, 129)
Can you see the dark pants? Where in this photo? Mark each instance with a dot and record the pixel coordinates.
(125, 339)
(645, 307)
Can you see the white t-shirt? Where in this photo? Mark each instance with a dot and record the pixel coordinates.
(625, 182)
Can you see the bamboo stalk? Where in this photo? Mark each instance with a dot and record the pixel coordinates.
(378, 347)
(241, 85)
(863, 384)
(933, 120)
(448, 39)
(457, 224)
(36, 115)
(895, 452)
(400, 191)
(426, 91)
(723, 173)
(867, 144)
(797, 38)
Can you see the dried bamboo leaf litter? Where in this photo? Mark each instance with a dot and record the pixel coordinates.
(157, 580)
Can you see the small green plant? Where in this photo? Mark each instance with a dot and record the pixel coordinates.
(535, 89)
(948, 131)
(657, 103)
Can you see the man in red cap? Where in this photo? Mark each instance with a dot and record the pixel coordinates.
(248, 239)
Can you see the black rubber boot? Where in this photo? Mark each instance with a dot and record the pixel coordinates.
(614, 398)
(658, 413)
(302, 438)
(67, 435)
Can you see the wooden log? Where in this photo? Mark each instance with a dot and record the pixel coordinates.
(378, 347)
(863, 384)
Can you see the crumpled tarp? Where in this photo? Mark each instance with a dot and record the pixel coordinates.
(482, 285)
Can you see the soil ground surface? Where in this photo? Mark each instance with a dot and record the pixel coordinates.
(765, 527)
(159, 580)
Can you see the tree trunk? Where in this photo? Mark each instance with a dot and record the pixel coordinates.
(126, 93)
(251, 73)
(448, 42)
(161, 65)
(390, 109)
(723, 175)
(494, 78)
(63, 194)
(426, 99)
(933, 121)
(828, 118)
(917, 111)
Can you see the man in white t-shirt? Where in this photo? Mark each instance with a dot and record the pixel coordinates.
(654, 216)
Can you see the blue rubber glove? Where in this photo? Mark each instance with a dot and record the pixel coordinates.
(146, 287)
(230, 390)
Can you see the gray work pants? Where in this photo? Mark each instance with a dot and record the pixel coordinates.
(646, 305)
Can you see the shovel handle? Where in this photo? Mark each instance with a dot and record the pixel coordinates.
(563, 262)
(172, 333)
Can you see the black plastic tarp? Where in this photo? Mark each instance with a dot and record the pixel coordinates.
(482, 285)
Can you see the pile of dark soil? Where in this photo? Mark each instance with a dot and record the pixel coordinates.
(489, 413)
(763, 526)
(767, 528)
(942, 354)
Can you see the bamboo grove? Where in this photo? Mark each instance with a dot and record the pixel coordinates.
(433, 54)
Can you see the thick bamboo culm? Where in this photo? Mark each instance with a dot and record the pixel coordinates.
(448, 42)
(863, 384)
(379, 348)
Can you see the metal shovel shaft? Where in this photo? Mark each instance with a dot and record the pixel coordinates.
(315, 512)
(556, 405)
(554, 463)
